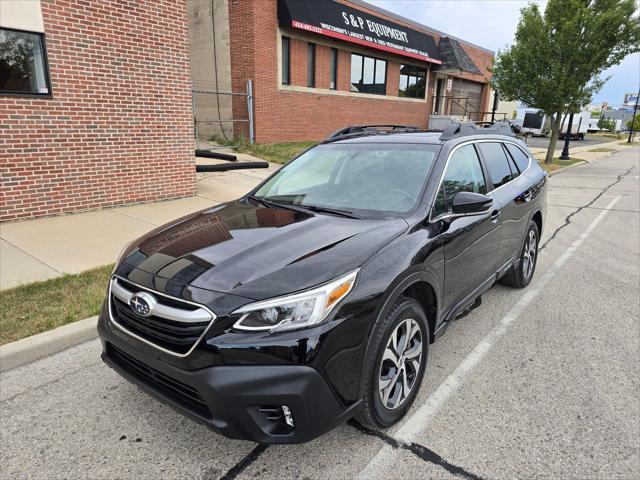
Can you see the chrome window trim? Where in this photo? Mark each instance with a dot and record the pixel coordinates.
(114, 279)
(442, 216)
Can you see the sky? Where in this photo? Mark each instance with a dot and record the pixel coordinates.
(492, 24)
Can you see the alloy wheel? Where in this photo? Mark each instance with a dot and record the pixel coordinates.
(529, 254)
(400, 364)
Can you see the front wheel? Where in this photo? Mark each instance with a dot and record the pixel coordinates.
(520, 275)
(395, 364)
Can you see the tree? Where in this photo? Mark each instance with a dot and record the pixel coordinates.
(557, 59)
(634, 125)
(606, 124)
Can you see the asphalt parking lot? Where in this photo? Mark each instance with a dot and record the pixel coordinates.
(589, 140)
(536, 383)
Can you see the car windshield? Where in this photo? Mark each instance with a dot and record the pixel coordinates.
(364, 178)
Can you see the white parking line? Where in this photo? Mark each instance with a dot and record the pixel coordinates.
(415, 424)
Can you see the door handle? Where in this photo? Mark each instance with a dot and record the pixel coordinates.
(495, 215)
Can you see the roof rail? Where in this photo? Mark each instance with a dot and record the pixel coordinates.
(456, 130)
(362, 130)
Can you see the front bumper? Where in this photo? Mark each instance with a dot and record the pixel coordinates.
(240, 401)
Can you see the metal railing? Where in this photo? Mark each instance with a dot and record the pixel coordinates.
(213, 111)
(460, 106)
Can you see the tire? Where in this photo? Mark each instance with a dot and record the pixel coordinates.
(381, 364)
(521, 274)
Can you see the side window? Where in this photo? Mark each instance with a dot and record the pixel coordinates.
(497, 163)
(521, 158)
(463, 174)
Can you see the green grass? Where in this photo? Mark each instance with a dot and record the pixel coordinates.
(602, 149)
(41, 306)
(607, 135)
(557, 164)
(273, 152)
(625, 144)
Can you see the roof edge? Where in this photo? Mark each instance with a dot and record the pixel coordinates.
(421, 26)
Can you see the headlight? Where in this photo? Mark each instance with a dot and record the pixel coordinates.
(295, 311)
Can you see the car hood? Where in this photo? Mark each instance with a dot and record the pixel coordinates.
(258, 251)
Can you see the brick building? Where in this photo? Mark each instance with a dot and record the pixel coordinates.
(319, 65)
(96, 97)
(95, 104)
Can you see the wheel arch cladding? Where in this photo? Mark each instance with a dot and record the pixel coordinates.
(422, 292)
(537, 217)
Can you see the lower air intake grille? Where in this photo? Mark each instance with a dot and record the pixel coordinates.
(181, 393)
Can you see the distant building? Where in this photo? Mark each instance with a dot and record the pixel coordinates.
(630, 100)
(620, 117)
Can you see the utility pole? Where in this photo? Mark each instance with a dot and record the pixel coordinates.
(496, 99)
(633, 119)
(567, 138)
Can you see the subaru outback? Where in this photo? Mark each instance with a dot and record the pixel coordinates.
(315, 297)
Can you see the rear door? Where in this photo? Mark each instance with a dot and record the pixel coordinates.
(471, 243)
(509, 191)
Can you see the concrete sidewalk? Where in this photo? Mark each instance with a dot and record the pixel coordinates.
(44, 248)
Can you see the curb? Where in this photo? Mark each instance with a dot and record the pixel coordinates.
(30, 349)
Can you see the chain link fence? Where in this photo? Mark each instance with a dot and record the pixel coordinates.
(214, 115)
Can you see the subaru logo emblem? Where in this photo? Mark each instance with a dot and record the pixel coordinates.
(142, 303)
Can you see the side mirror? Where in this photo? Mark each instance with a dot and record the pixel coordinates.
(469, 203)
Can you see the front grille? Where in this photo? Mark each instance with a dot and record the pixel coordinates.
(171, 335)
(184, 395)
(177, 335)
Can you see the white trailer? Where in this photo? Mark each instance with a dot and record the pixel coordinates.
(579, 126)
(534, 122)
(593, 126)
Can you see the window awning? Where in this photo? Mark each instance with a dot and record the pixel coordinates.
(333, 19)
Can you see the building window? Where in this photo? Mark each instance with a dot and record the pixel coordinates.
(286, 61)
(311, 65)
(333, 69)
(413, 81)
(23, 63)
(368, 75)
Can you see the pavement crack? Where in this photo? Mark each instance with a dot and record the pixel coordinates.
(244, 462)
(422, 452)
(567, 219)
(33, 256)
(47, 384)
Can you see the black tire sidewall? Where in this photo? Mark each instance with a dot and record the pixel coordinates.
(523, 279)
(409, 308)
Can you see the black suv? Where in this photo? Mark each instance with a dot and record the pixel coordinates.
(315, 297)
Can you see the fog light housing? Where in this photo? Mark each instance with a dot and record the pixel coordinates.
(288, 418)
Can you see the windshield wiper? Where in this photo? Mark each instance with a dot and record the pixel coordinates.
(334, 211)
(273, 203)
(260, 200)
(304, 207)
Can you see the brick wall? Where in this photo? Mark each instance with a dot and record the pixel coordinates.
(119, 126)
(285, 115)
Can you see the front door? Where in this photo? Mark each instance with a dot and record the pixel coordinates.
(471, 243)
(438, 101)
